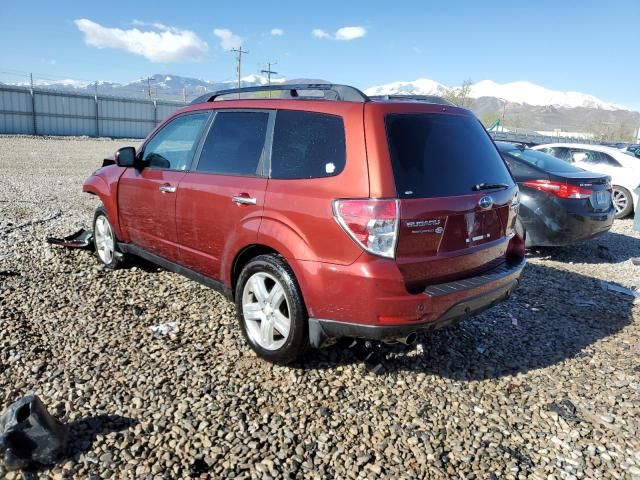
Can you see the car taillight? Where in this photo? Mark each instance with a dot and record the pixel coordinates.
(559, 189)
(372, 223)
(513, 213)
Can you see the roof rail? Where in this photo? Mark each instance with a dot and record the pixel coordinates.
(330, 92)
(416, 98)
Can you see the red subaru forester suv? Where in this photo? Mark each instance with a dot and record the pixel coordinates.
(321, 212)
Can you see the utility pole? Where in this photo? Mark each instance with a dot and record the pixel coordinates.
(184, 94)
(149, 85)
(268, 71)
(238, 51)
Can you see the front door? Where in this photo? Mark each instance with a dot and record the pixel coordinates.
(220, 202)
(147, 194)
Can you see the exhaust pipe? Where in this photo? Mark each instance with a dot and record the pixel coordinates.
(409, 339)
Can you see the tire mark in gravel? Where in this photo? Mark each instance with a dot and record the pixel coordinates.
(32, 223)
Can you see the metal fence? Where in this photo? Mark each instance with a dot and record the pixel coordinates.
(45, 112)
(537, 139)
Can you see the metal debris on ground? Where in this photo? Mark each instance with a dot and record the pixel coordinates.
(582, 302)
(168, 328)
(29, 435)
(617, 288)
(80, 239)
(565, 409)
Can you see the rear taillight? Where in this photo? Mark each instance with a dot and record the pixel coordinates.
(513, 212)
(373, 224)
(559, 189)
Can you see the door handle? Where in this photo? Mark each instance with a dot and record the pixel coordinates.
(167, 189)
(242, 200)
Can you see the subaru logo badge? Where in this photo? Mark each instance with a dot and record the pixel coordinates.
(486, 202)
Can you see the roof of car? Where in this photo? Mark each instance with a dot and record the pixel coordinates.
(583, 146)
(313, 91)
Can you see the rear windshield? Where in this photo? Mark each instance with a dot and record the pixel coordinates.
(440, 155)
(542, 160)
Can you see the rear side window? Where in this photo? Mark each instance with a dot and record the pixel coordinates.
(307, 145)
(439, 155)
(234, 144)
(593, 158)
(519, 169)
(544, 161)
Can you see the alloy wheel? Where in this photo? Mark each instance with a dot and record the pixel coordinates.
(620, 200)
(104, 239)
(266, 313)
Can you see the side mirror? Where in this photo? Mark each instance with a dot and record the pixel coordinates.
(126, 157)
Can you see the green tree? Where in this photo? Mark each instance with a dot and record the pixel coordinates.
(459, 95)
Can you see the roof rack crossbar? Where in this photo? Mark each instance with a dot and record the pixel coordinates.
(419, 98)
(338, 92)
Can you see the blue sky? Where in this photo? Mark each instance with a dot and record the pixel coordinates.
(587, 46)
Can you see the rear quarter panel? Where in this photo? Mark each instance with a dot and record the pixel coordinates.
(298, 217)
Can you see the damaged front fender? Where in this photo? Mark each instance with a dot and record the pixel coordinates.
(104, 184)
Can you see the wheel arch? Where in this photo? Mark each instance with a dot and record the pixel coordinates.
(243, 257)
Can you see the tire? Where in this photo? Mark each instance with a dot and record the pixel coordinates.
(271, 310)
(105, 241)
(622, 201)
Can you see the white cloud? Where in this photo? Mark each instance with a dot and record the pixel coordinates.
(343, 33)
(319, 33)
(228, 39)
(167, 45)
(350, 33)
(278, 32)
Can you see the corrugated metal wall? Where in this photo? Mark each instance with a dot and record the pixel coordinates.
(46, 112)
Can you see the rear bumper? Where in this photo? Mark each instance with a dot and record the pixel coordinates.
(438, 306)
(554, 224)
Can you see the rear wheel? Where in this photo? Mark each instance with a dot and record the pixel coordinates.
(105, 240)
(271, 311)
(622, 201)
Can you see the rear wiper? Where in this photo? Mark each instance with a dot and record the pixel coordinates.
(489, 186)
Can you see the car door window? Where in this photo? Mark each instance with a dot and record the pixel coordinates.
(560, 152)
(173, 146)
(235, 144)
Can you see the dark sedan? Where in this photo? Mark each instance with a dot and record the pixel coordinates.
(559, 203)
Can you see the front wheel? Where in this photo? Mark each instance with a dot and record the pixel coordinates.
(622, 201)
(271, 310)
(105, 240)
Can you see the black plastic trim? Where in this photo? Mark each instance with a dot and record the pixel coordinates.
(176, 268)
(323, 331)
(492, 275)
(340, 92)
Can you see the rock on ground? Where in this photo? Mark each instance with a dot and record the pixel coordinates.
(546, 385)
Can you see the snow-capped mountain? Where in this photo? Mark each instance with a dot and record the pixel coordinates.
(422, 86)
(513, 92)
(161, 85)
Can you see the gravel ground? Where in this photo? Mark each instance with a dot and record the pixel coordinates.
(546, 385)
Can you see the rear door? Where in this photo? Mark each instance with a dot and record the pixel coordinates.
(220, 202)
(455, 193)
(147, 196)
